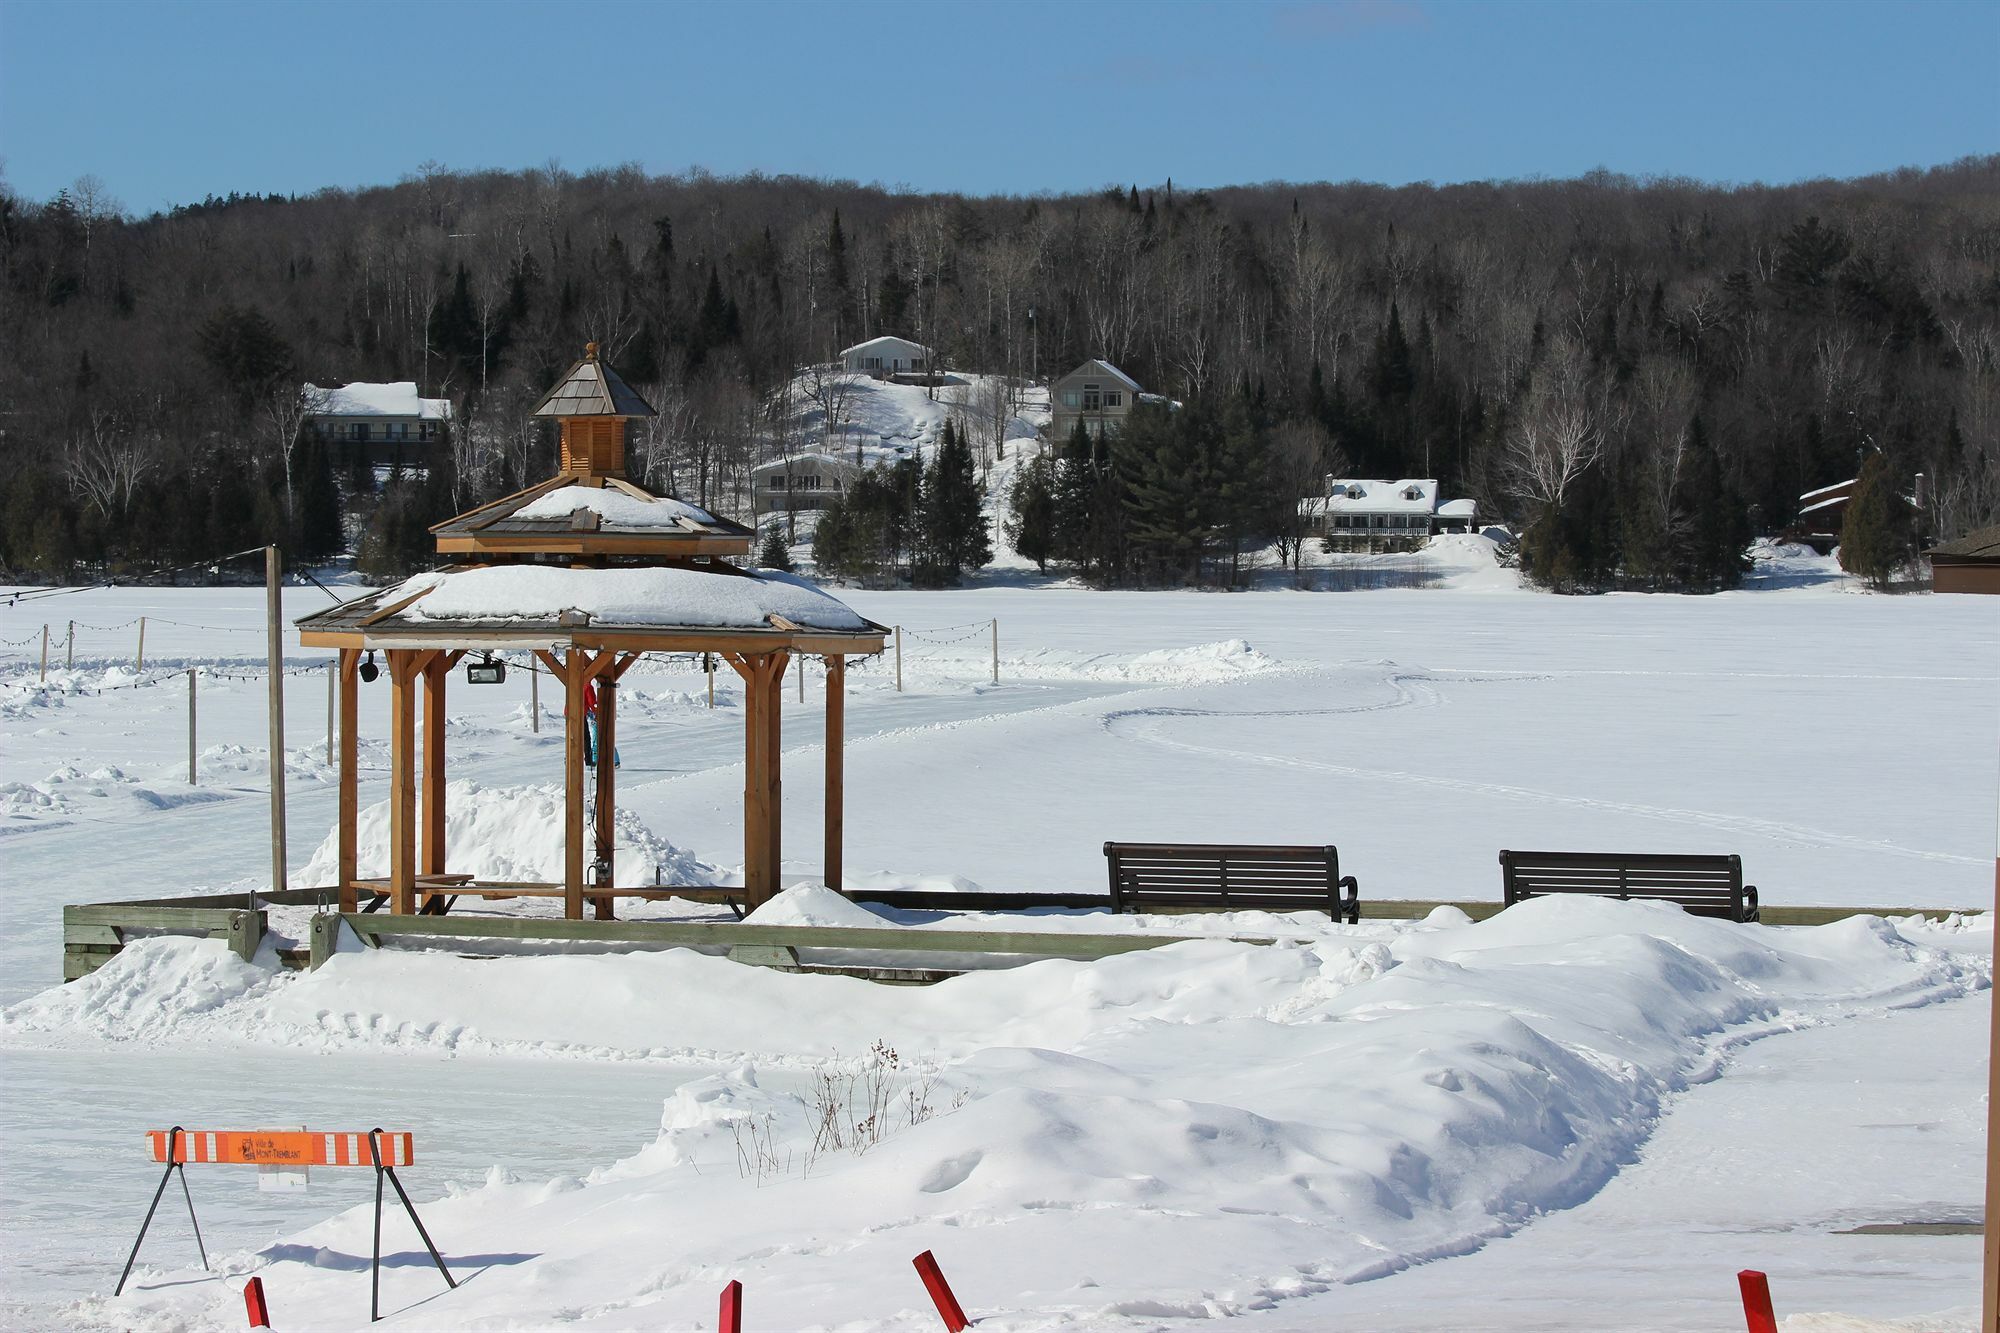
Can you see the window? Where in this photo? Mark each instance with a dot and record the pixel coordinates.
(778, 482)
(1381, 521)
(427, 431)
(1071, 398)
(1113, 398)
(1090, 397)
(872, 363)
(358, 432)
(805, 483)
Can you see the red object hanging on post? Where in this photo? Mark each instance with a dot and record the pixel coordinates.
(947, 1304)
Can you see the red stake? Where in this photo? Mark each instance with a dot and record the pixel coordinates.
(947, 1304)
(1757, 1301)
(253, 1301)
(731, 1320)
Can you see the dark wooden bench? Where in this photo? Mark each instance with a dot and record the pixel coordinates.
(1704, 885)
(1196, 874)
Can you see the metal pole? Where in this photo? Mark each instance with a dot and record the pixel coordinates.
(1989, 1281)
(996, 650)
(45, 651)
(899, 659)
(332, 673)
(534, 697)
(69, 650)
(191, 678)
(708, 661)
(802, 678)
(142, 645)
(274, 616)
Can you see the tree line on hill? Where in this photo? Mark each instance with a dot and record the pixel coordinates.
(1637, 375)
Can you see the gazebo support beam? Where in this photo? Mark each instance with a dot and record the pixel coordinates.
(763, 687)
(836, 740)
(349, 798)
(404, 668)
(575, 672)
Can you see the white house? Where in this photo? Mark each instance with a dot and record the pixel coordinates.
(886, 356)
(387, 424)
(1359, 512)
(805, 481)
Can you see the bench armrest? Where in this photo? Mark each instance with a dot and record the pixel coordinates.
(1351, 906)
(1750, 909)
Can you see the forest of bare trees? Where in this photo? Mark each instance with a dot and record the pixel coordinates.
(1608, 364)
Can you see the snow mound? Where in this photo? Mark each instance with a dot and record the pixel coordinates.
(152, 989)
(812, 905)
(512, 833)
(1197, 664)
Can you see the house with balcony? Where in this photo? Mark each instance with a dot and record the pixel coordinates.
(1358, 514)
(888, 358)
(382, 425)
(1097, 394)
(801, 482)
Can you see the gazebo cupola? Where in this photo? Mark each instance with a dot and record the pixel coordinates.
(590, 406)
(584, 573)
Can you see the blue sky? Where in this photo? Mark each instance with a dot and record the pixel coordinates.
(168, 101)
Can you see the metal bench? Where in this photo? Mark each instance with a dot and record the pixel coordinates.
(1703, 885)
(1173, 875)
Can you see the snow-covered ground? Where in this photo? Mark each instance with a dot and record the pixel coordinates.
(1397, 1125)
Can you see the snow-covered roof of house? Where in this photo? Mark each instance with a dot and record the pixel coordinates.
(1459, 509)
(885, 341)
(1359, 495)
(1099, 366)
(398, 399)
(1838, 490)
(1979, 547)
(831, 462)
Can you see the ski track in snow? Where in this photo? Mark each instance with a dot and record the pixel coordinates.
(1414, 690)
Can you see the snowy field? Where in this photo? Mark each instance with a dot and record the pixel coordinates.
(1399, 1125)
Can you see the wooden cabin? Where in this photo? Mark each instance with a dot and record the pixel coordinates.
(588, 572)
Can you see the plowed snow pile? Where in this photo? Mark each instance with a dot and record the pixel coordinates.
(1198, 1130)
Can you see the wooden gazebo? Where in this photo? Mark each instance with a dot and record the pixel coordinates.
(589, 572)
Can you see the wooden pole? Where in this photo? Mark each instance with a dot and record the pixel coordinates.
(350, 750)
(140, 665)
(332, 697)
(69, 648)
(1989, 1294)
(436, 671)
(402, 780)
(607, 788)
(191, 679)
(575, 673)
(45, 651)
(836, 780)
(899, 659)
(534, 699)
(996, 650)
(774, 822)
(707, 661)
(802, 677)
(756, 808)
(274, 624)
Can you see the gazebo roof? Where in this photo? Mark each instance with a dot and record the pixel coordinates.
(592, 389)
(591, 515)
(644, 608)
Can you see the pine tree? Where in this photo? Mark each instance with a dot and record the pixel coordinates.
(1875, 538)
(1031, 526)
(953, 522)
(319, 528)
(775, 554)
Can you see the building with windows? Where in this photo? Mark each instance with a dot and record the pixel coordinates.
(888, 357)
(804, 481)
(1360, 514)
(1096, 393)
(386, 425)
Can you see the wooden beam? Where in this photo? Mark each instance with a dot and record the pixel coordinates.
(774, 689)
(607, 780)
(402, 780)
(756, 799)
(836, 779)
(436, 671)
(349, 816)
(556, 666)
(385, 612)
(574, 679)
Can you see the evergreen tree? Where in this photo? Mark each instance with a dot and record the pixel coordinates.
(955, 538)
(1876, 538)
(1716, 528)
(319, 528)
(1031, 525)
(776, 555)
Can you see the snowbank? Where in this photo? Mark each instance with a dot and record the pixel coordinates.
(511, 833)
(1206, 1129)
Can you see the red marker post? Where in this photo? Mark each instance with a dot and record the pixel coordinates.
(1757, 1313)
(731, 1320)
(253, 1302)
(947, 1304)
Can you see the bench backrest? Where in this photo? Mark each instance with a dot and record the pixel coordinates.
(1706, 885)
(1204, 873)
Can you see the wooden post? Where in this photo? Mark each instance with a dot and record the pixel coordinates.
(191, 679)
(773, 784)
(802, 677)
(534, 698)
(1989, 1283)
(899, 659)
(707, 662)
(763, 695)
(45, 664)
(349, 800)
(140, 665)
(996, 650)
(607, 781)
(274, 625)
(836, 791)
(69, 649)
(436, 671)
(332, 695)
(575, 672)
(402, 780)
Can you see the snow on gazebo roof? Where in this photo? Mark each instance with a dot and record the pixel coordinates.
(592, 389)
(397, 399)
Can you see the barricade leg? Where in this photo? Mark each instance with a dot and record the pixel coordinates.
(173, 1141)
(375, 1263)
